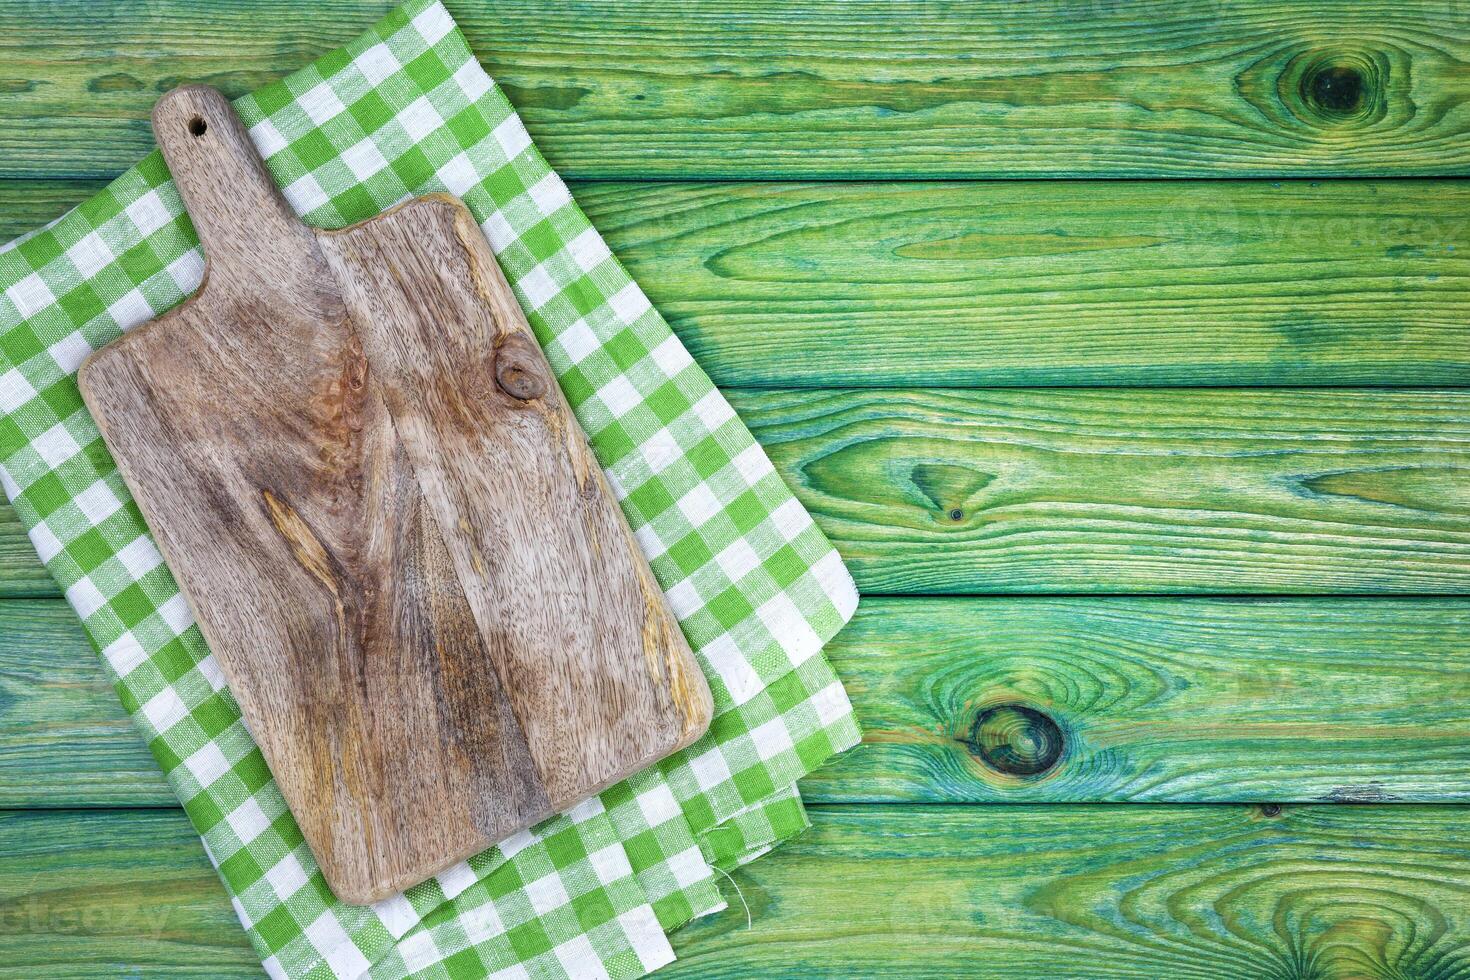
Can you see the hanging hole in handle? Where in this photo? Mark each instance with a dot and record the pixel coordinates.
(197, 126)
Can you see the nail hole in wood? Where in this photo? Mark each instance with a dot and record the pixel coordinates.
(197, 126)
(1015, 740)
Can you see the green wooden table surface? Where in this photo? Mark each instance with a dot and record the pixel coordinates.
(1123, 348)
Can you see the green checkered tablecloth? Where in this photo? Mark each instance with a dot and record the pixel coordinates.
(405, 110)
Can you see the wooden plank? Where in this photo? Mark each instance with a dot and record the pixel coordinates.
(1222, 892)
(1129, 491)
(1338, 893)
(1001, 283)
(64, 738)
(819, 87)
(1125, 490)
(1055, 283)
(21, 572)
(114, 894)
(1153, 699)
(26, 205)
(1138, 699)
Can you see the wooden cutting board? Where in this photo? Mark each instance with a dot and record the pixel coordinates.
(388, 524)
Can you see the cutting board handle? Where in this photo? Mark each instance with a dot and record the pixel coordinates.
(241, 218)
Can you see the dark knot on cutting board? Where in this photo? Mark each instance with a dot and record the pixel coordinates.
(517, 369)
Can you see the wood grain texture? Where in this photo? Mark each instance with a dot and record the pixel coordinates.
(967, 700)
(1125, 491)
(390, 528)
(1055, 283)
(714, 88)
(1212, 892)
(596, 668)
(26, 205)
(1338, 893)
(21, 571)
(65, 740)
(114, 894)
(1147, 490)
(1154, 700)
(1015, 283)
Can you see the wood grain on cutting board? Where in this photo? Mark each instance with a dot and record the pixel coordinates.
(391, 530)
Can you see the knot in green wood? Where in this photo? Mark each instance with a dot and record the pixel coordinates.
(1015, 739)
(1336, 88)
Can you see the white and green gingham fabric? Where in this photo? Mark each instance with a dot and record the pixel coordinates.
(405, 110)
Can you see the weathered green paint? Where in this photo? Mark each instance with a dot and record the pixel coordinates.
(26, 205)
(21, 572)
(1053, 699)
(819, 88)
(1137, 699)
(1142, 490)
(1021, 283)
(1119, 490)
(111, 893)
(65, 740)
(1215, 893)
(1338, 893)
(1055, 283)
(1077, 283)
